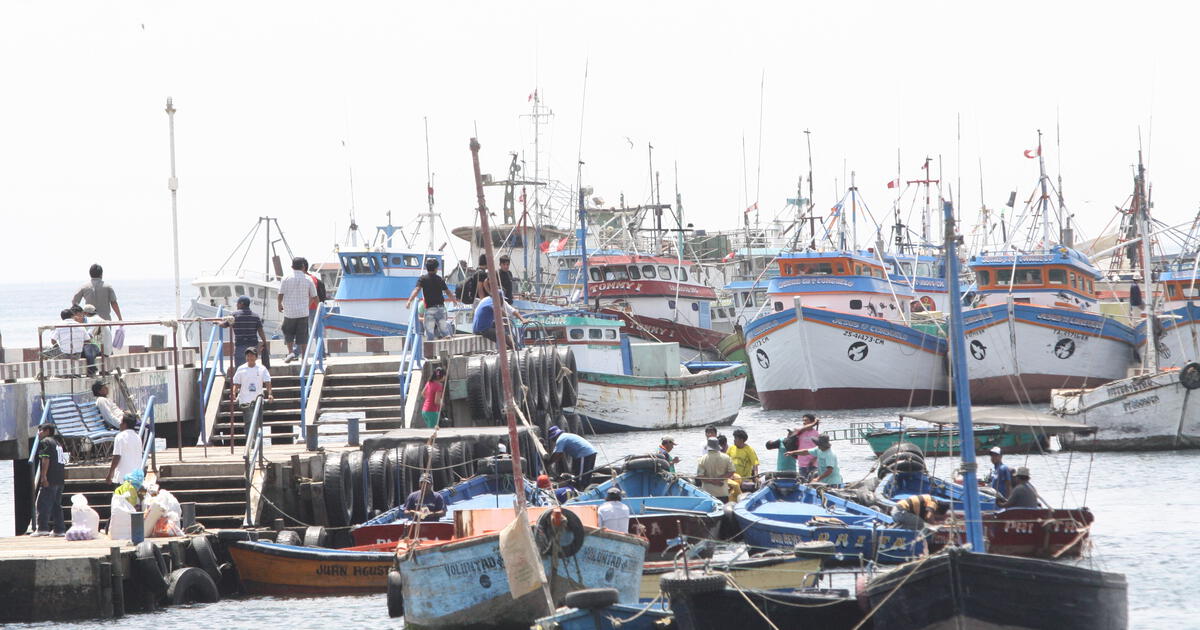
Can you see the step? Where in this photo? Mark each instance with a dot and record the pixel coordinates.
(369, 389)
(169, 482)
(362, 378)
(360, 401)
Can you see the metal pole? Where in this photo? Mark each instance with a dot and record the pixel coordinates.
(178, 411)
(173, 186)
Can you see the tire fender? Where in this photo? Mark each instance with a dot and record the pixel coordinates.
(191, 585)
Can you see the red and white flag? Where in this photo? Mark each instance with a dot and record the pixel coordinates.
(532, 95)
(1032, 153)
(753, 206)
(895, 183)
(728, 257)
(554, 245)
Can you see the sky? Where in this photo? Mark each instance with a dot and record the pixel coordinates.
(278, 103)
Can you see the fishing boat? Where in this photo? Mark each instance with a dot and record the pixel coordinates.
(625, 386)
(700, 601)
(662, 506)
(268, 568)
(1011, 429)
(773, 569)
(504, 578)
(1152, 408)
(785, 512)
(958, 587)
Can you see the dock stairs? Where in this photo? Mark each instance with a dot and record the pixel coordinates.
(218, 490)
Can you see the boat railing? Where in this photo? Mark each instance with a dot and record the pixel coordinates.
(147, 433)
(311, 364)
(210, 362)
(253, 455)
(410, 357)
(858, 430)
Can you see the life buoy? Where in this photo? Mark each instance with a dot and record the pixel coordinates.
(567, 536)
(1189, 376)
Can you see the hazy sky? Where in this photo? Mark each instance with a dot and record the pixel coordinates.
(267, 92)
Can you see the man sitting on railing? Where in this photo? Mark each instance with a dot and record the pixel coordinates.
(484, 322)
(127, 450)
(75, 341)
(250, 379)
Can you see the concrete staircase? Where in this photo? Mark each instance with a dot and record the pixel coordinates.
(373, 388)
(218, 490)
(281, 418)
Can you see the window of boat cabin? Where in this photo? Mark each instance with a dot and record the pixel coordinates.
(203, 292)
(671, 304)
(747, 300)
(634, 273)
(239, 290)
(1074, 281)
(1171, 290)
(596, 274)
(1029, 276)
(1004, 277)
(778, 307)
(615, 273)
(1091, 288)
(219, 291)
(695, 306)
(817, 269)
(648, 272)
(681, 274)
(664, 272)
(610, 333)
(576, 333)
(983, 277)
(1056, 275)
(262, 292)
(595, 333)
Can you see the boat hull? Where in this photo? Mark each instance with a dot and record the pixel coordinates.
(1179, 341)
(616, 402)
(659, 329)
(271, 569)
(961, 589)
(699, 607)
(338, 325)
(1020, 352)
(823, 359)
(1153, 412)
(768, 572)
(946, 443)
(473, 570)
(1037, 533)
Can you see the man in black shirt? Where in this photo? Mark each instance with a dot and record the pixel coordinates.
(435, 293)
(506, 278)
(470, 286)
(247, 332)
(51, 477)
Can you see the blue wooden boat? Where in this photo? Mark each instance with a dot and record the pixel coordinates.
(610, 617)
(785, 512)
(661, 505)
(480, 491)
(895, 487)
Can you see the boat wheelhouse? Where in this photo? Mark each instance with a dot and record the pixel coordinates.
(1178, 320)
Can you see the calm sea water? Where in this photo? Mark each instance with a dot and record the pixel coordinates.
(1145, 504)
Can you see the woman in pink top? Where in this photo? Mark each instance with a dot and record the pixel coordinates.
(432, 409)
(807, 438)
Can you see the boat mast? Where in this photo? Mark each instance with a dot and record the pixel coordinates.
(1045, 201)
(493, 284)
(173, 185)
(1142, 210)
(812, 227)
(962, 387)
(429, 189)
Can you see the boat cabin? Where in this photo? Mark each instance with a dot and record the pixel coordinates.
(224, 290)
(375, 284)
(842, 281)
(595, 339)
(1063, 278)
(1179, 286)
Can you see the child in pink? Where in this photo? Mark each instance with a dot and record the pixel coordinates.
(807, 439)
(434, 389)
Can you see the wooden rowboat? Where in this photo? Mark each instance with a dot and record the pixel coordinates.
(268, 568)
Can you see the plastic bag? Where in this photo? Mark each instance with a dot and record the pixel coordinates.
(163, 513)
(85, 522)
(119, 522)
(118, 338)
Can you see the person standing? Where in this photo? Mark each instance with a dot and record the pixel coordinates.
(251, 380)
(506, 278)
(51, 477)
(613, 514)
(295, 293)
(470, 286)
(435, 292)
(247, 331)
(109, 410)
(783, 461)
(714, 471)
(98, 293)
(828, 471)
(1023, 494)
(664, 451)
(127, 450)
(1002, 477)
(806, 439)
(431, 408)
(745, 460)
(565, 444)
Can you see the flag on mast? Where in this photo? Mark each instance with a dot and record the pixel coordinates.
(1032, 153)
(895, 183)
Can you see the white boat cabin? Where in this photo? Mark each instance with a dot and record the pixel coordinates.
(1062, 278)
(841, 281)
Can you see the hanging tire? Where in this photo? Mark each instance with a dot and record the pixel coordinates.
(150, 568)
(1189, 375)
(576, 421)
(570, 379)
(377, 468)
(338, 489)
(398, 481)
(647, 462)
(549, 362)
(696, 584)
(537, 371)
(592, 598)
(531, 381)
(190, 585)
(315, 536)
(479, 392)
(361, 479)
(492, 370)
(206, 558)
(901, 463)
(288, 537)
(486, 446)
(411, 475)
(901, 447)
(436, 456)
(395, 594)
(456, 456)
(570, 539)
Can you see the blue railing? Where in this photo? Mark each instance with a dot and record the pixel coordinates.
(208, 373)
(146, 437)
(308, 367)
(253, 451)
(410, 356)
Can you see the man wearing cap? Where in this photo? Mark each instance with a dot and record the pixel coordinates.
(613, 514)
(828, 471)
(424, 504)
(1001, 478)
(506, 278)
(715, 470)
(247, 331)
(1023, 494)
(664, 451)
(568, 444)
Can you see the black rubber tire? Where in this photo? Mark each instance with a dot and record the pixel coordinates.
(538, 370)
(553, 383)
(578, 427)
(546, 534)
(150, 568)
(498, 466)
(492, 369)
(694, 585)
(592, 598)
(315, 536)
(377, 468)
(397, 459)
(289, 537)
(361, 507)
(414, 463)
(206, 558)
(901, 447)
(570, 381)
(395, 594)
(191, 585)
(338, 489)
(531, 381)
(901, 462)
(456, 456)
(441, 474)
(486, 446)
(1189, 375)
(647, 462)
(479, 392)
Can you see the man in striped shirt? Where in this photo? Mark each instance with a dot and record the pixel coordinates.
(295, 293)
(247, 331)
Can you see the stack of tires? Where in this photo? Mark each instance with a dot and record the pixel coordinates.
(901, 457)
(544, 382)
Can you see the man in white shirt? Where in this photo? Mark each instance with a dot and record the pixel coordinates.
(127, 451)
(613, 514)
(75, 341)
(295, 293)
(108, 409)
(250, 380)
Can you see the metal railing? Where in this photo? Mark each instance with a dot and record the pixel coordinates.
(208, 373)
(253, 452)
(316, 350)
(410, 356)
(146, 437)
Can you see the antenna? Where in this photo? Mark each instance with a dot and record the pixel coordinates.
(428, 186)
(758, 168)
(352, 233)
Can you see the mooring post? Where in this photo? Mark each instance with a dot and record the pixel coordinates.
(352, 430)
(118, 581)
(187, 516)
(137, 527)
(106, 593)
(310, 438)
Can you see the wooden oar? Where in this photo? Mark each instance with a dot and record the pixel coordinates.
(650, 508)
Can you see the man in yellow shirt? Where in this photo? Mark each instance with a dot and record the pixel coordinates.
(745, 463)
